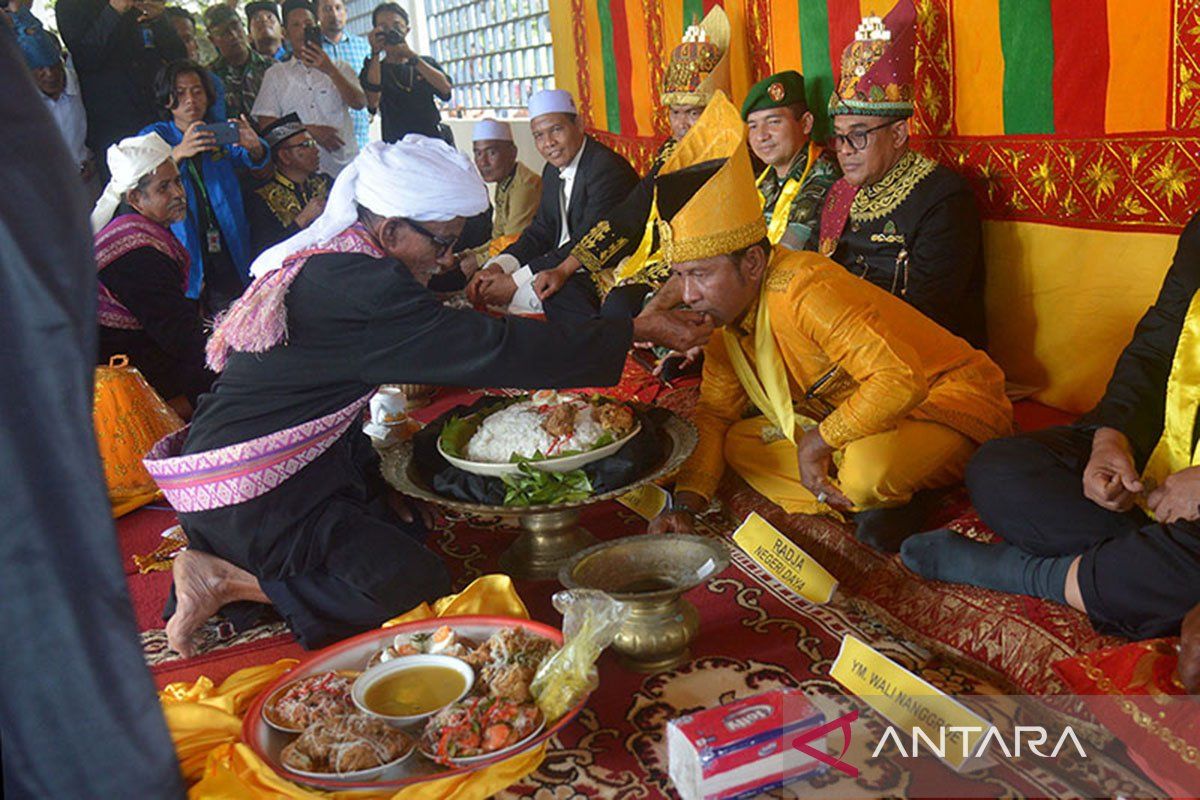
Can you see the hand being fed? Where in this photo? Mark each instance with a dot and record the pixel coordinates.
(678, 330)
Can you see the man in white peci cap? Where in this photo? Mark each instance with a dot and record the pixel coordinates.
(518, 189)
(582, 181)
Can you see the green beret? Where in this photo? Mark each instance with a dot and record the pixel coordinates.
(781, 89)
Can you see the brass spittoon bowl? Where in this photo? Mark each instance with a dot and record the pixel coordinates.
(550, 534)
(650, 574)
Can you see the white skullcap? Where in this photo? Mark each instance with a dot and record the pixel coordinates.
(491, 129)
(551, 101)
(418, 178)
(129, 160)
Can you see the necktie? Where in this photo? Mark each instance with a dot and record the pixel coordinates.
(565, 230)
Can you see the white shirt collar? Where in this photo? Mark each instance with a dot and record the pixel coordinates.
(567, 173)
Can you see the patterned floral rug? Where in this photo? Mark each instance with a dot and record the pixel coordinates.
(754, 636)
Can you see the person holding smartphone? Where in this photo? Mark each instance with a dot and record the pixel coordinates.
(319, 90)
(398, 82)
(214, 232)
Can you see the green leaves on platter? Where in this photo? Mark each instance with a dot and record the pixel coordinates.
(534, 487)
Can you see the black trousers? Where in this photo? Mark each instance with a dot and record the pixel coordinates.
(325, 547)
(577, 301)
(1138, 577)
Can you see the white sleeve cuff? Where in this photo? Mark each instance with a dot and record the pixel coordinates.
(506, 262)
(522, 276)
(525, 300)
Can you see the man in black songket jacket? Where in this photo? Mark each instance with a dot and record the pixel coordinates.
(622, 263)
(277, 488)
(582, 181)
(79, 716)
(896, 218)
(1104, 514)
(294, 196)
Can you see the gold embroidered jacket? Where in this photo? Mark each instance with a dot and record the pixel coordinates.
(272, 207)
(916, 233)
(618, 235)
(515, 203)
(858, 360)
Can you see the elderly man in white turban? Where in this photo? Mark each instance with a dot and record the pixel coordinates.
(143, 310)
(277, 489)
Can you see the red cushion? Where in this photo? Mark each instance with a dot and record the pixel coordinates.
(1031, 415)
(1132, 689)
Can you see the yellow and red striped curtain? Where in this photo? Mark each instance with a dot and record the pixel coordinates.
(1077, 122)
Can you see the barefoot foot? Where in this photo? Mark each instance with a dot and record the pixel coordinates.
(203, 584)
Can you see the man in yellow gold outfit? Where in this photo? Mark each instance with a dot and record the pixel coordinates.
(899, 404)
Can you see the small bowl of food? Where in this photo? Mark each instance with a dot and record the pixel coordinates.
(347, 747)
(299, 703)
(407, 690)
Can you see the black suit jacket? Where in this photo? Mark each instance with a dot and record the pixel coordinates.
(116, 66)
(604, 179)
(1135, 400)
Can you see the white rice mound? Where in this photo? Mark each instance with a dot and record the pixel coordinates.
(518, 430)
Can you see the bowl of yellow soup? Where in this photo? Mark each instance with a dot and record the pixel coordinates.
(409, 689)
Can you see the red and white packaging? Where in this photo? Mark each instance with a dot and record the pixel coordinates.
(743, 748)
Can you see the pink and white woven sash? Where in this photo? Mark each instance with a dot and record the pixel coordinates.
(239, 472)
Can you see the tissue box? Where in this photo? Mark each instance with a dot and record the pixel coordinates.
(743, 748)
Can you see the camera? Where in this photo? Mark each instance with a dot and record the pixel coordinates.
(391, 36)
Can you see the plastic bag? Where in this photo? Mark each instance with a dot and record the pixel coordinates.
(591, 620)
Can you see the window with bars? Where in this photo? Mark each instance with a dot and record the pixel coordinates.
(497, 52)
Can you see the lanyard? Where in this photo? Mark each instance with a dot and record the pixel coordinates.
(212, 231)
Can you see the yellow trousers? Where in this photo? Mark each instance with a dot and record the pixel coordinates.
(880, 470)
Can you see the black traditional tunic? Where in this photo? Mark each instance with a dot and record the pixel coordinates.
(272, 206)
(169, 349)
(916, 234)
(618, 235)
(1138, 577)
(331, 560)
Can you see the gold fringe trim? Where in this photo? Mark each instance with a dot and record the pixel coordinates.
(714, 244)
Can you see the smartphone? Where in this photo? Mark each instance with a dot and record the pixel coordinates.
(312, 35)
(226, 132)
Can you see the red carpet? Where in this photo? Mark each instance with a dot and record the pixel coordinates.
(754, 636)
(140, 533)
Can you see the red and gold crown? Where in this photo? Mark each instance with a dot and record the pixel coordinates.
(699, 65)
(877, 67)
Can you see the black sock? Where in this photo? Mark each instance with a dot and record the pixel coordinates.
(945, 555)
(885, 529)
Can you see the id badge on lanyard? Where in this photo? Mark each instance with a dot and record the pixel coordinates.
(214, 240)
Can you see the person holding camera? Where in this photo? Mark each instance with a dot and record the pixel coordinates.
(117, 47)
(214, 232)
(398, 82)
(320, 91)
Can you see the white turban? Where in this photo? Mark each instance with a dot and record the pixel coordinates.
(129, 160)
(418, 178)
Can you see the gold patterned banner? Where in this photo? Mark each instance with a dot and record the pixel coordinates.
(1151, 182)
